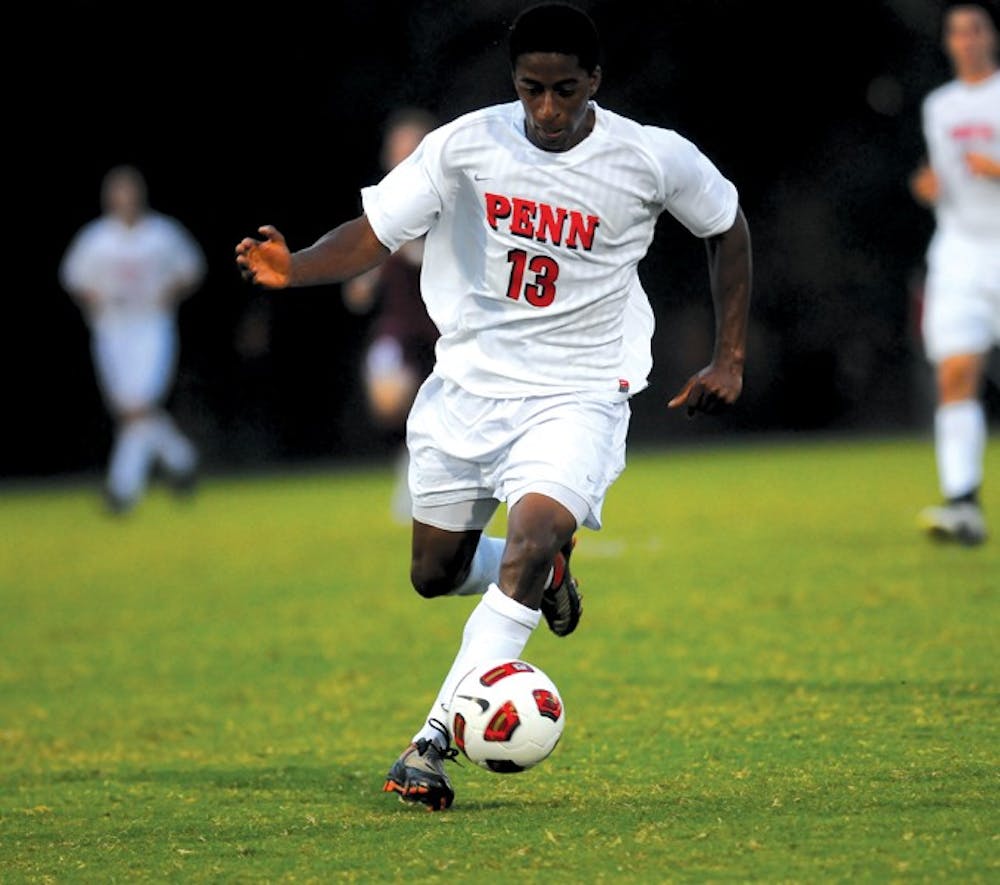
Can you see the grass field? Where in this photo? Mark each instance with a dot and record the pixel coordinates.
(776, 679)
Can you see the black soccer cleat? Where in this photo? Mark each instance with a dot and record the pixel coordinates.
(418, 775)
(562, 604)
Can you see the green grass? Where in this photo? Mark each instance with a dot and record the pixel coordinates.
(776, 679)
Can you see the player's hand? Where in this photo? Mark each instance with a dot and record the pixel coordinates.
(711, 391)
(924, 186)
(982, 165)
(266, 262)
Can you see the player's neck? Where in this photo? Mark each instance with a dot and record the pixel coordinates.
(973, 75)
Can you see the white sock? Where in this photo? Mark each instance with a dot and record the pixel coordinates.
(499, 627)
(485, 568)
(171, 446)
(960, 445)
(131, 458)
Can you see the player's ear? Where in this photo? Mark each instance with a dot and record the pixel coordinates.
(595, 80)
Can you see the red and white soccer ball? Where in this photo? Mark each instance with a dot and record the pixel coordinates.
(506, 716)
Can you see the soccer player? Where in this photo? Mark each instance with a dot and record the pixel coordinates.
(536, 213)
(400, 350)
(128, 270)
(961, 317)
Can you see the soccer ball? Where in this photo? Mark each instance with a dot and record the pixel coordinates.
(506, 716)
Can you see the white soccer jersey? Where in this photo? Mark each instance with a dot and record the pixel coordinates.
(531, 259)
(131, 269)
(957, 118)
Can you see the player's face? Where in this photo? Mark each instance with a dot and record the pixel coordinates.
(125, 198)
(399, 144)
(555, 91)
(970, 41)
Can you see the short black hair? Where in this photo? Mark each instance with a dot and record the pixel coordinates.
(555, 27)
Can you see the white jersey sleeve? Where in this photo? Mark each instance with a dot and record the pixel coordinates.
(397, 221)
(77, 271)
(695, 193)
(531, 258)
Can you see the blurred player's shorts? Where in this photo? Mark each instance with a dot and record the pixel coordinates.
(384, 359)
(962, 300)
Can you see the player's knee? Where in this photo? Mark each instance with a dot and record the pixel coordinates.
(958, 379)
(431, 580)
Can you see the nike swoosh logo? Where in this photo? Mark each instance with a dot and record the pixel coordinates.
(479, 177)
(484, 704)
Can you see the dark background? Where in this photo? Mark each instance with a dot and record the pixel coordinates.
(248, 114)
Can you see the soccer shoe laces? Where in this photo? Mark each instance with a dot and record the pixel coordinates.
(449, 752)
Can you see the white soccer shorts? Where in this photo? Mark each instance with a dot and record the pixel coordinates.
(469, 453)
(961, 302)
(384, 359)
(135, 360)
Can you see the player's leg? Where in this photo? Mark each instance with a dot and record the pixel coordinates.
(499, 626)
(454, 561)
(135, 362)
(544, 511)
(960, 434)
(958, 333)
(114, 354)
(504, 619)
(401, 505)
(467, 562)
(450, 555)
(443, 562)
(539, 526)
(453, 503)
(961, 430)
(175, 451)
(555, 477)
(154, 368)
(390, 385)
(450, 561)
(130, 461)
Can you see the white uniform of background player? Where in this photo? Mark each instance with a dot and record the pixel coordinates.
(128, 269)
(531, 275)
(961, 317)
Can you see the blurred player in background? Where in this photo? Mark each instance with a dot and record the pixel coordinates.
(128, 270)
(400, 350)
(961, 315)
(536, 213)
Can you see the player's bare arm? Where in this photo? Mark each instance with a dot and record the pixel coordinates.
(345, 252)
(730, 267)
